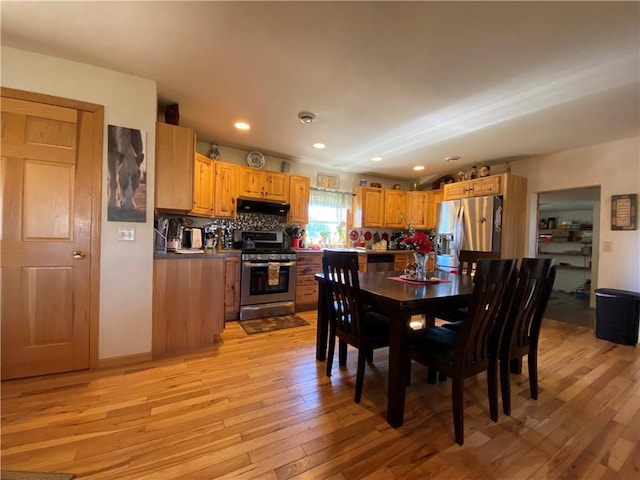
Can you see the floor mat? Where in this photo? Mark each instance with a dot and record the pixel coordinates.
(14, 475)
(269, 324)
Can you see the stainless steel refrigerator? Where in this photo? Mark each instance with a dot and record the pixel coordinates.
(467, 224)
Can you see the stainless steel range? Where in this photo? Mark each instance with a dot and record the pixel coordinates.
(268, 274)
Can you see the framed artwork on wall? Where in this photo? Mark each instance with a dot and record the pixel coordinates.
(126, 181)
(328, 181)
(624, 212)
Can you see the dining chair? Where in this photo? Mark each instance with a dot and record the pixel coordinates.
(467, 262)
(522, 327)
(350, 322)
(469, 351)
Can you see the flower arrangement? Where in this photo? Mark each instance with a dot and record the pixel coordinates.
(419, 242)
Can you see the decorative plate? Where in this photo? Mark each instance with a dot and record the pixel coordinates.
(354, 235)
(255, 159)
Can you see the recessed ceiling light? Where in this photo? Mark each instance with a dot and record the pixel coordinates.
(319, 145)
(376, 159)
(242, 125)
(453, 158)
(307, 117)
(418, 167)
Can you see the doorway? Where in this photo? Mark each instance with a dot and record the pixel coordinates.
(51, 199)
(568, 229)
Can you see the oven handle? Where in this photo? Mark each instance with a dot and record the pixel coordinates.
(282, 264)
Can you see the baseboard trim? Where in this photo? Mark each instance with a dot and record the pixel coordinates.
(125, 360)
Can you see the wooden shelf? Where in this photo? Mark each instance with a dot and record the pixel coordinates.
(571, 254)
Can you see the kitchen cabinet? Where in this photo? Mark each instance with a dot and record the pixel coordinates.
(421, 208)
(395, 209)
(232, 287)
(264, 184)
(307, 265)
(480, 187)
(175, 149)
(202, 186)
(401, 260)
(225, 190)
(188, 304)
(368, 207)
(298, 199)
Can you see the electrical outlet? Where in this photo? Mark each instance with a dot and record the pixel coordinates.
(607, 246)
(126, 234)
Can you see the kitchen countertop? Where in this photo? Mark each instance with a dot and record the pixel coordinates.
(208, 253)
(356, 250)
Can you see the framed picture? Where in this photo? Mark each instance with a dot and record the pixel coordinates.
(624, 212)
(127, 179)
(328, 181)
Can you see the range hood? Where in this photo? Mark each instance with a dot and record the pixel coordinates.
(256, 205)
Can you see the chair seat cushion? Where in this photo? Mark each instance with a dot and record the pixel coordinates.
(377, 325)
(437, 341)
(455, 326)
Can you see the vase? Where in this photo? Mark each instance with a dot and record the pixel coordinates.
(425, 265)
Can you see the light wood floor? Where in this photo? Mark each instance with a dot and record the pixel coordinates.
(260, 406)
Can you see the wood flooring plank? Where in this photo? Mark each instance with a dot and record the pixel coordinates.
(260, 406)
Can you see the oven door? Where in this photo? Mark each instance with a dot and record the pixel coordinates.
(267, 282)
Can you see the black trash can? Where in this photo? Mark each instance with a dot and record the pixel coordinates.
(617, 315)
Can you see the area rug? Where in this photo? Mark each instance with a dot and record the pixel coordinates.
(269, 324)
(14, 475)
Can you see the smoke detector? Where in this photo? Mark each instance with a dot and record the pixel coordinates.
(306, 117)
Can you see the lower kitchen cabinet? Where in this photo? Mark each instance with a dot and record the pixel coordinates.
(232, 288)
(308, 264)
(188, 304)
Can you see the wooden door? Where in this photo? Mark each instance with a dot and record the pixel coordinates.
(202, 186)
(251, 183)
(299, 199)
(395, 209)
(373, 210)
(276, 186)
(225, 190)
(175, 150)
(47, 182)
(417, 209)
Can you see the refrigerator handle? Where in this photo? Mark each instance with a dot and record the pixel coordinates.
(497, 221)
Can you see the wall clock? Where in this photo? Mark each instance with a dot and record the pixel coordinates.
(255, 159)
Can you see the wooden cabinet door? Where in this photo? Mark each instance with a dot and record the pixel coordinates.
(175, 149)
(395, 209)
(368, 207)
(276, 186)
(251, 183)
(225, 190)
(453, 191)
(232, 288)
(46, 185)
(417, 209)
(434, 197)
(487, 186)
(299, 199)
(202, 186)
(188, 304)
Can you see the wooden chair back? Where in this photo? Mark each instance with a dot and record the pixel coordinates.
(492, 294)
(533, 290)
(468, 259)
(341, 276)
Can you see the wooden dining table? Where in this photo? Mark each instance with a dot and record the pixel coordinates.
(399, 301)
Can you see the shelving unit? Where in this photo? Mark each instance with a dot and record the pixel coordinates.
(567, 247)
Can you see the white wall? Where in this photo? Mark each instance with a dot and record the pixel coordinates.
(126, 267)
(615, 167)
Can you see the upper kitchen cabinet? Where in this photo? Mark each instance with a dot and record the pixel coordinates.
(175, 148)
(368, 207)
(421, 208)
(202, 186)
(264, 184)
(395, 209)
(299, 199)
(225, 190)
(480, 187)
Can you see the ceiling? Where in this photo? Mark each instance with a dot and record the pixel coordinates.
(411, 82)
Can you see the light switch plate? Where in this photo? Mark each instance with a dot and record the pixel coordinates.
(126, 234)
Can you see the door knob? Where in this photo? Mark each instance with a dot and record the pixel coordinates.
(78, 255)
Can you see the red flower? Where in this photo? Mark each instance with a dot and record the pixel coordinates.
(419, 242)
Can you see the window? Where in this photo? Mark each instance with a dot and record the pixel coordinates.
(328, 217)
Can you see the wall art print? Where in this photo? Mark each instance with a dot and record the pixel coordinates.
(624, 212)
(127, 182)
